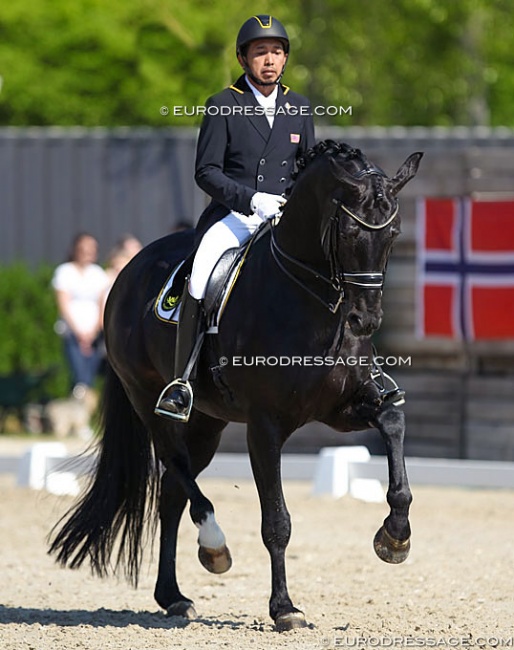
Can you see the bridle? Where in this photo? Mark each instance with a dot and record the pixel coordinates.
(371, 226)
(338, 278)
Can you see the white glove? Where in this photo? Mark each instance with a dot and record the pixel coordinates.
(266, 205)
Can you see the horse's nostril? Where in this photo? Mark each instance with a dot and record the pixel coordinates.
(355, 320)
(363, 323)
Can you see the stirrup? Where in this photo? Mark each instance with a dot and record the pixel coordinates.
(393, 394)
(182, 416)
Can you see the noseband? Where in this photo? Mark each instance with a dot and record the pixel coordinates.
(371, 280)
(338, 278)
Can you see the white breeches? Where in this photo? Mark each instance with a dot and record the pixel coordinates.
(231, 232)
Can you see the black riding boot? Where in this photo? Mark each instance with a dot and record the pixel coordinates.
(176, 399)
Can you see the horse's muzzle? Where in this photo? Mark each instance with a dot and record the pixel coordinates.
(364, 323)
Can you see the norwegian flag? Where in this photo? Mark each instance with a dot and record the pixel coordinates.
(466, 269)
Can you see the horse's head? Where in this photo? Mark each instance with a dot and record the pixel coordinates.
(339, 225)
(360, 221)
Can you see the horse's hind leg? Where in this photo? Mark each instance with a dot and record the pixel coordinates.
(171, 505)
(185, 451)
(265, 443)
(392, 541)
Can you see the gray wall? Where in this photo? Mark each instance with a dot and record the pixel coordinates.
(55, 182)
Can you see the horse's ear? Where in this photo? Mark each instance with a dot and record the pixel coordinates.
(406, 172)
(344, 176)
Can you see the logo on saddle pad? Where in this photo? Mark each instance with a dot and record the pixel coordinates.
(170, 301)
(219, 288)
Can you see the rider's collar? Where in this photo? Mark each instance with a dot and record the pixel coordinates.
(268, 100)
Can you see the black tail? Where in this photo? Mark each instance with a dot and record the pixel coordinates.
(120, 497)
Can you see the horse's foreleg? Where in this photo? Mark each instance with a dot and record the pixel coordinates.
(392, 541)
(265, 445)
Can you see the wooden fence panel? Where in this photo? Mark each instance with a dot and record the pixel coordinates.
(54, 182)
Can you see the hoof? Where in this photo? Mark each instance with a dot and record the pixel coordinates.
(183, 608)
(215, 560)
(290, 621)
(389, 549)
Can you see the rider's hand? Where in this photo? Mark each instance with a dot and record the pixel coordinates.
(266, 205)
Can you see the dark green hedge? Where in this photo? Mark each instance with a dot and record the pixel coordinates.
(28, 342)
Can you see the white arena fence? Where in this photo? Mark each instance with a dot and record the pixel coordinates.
(335, 471)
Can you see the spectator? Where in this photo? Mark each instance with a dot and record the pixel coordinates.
(116, 260)
(120, 255)
(80, 286)
(180, 226)
(129, 244)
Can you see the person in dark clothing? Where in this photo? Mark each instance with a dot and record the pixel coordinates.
(250, 137)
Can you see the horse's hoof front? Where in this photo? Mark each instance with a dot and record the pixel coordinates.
(182, 608)
(215, 560)
(389, 549)
(290, 621)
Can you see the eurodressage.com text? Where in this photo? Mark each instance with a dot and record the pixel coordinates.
(250, 111)
(418, 642)
(308, 361)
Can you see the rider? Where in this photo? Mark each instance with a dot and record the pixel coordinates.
(250, 137)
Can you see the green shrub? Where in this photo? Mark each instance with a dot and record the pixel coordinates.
(28, 342)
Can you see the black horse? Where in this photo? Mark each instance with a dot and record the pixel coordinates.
(311, 290)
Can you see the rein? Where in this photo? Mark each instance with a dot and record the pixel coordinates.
(276, 251)
(371, 280)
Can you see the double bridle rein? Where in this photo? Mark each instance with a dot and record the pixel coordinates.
(338, 278)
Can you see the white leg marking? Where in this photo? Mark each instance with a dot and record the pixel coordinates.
(210, 535)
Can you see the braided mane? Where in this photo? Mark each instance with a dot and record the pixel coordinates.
(326, 147)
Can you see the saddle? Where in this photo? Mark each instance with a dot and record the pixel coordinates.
(219, 287)
(222, 281)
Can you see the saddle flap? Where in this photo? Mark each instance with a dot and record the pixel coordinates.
(225, 274)
(220, 277)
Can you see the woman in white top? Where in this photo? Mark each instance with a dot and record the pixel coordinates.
(80, 286)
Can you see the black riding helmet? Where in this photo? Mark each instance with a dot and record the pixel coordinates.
(261, 26)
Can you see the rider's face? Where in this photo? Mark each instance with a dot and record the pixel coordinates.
(265, 59)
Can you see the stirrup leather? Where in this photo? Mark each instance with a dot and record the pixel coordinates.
(183, 416)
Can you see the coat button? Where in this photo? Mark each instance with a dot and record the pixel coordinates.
(262, 161)
(260, 178)
(284, 163)
(282, 180)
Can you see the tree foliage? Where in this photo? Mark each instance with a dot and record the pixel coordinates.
(407, 62)
(28, 342)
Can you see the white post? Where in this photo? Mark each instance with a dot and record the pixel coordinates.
(33, 471)
(333, 474)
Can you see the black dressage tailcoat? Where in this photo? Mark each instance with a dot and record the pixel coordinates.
(238, 153)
